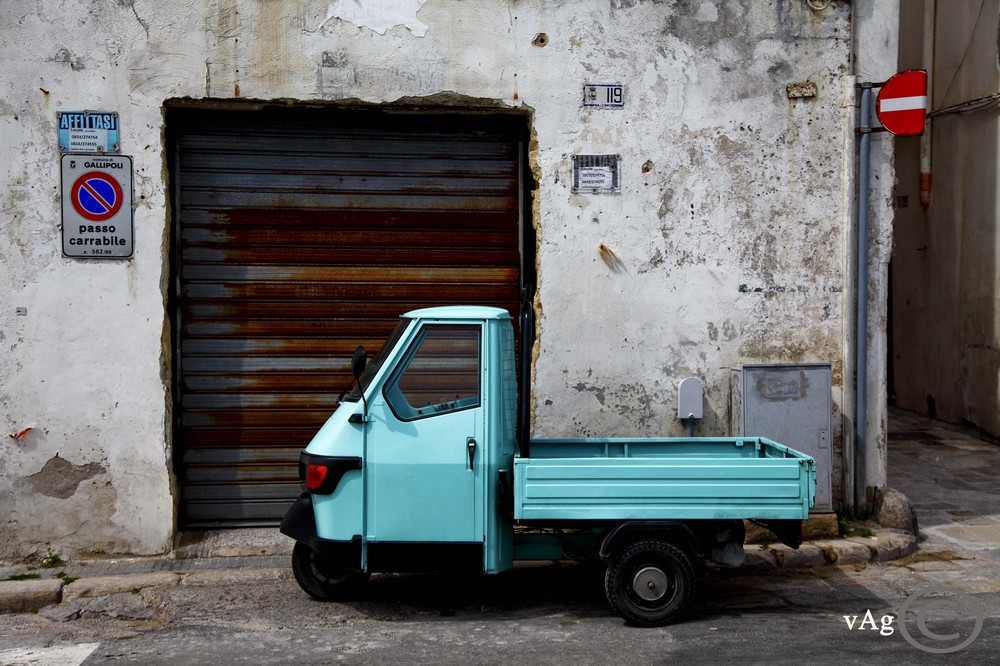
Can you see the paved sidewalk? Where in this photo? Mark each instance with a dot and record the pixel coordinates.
(951, 475)
(201, 556)
(141, 565)
(198, 551)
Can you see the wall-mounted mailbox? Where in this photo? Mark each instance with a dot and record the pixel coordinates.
(690, 403)
(690, 399)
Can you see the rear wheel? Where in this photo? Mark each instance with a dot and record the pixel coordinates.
(324, 577)
(649, 582)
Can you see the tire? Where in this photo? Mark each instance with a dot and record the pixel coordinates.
(649, 583)
(323, 577)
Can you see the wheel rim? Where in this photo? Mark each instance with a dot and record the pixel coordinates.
(651, 584)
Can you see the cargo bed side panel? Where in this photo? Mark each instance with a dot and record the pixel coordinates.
(572, 481)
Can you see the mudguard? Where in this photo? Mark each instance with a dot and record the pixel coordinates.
(299, 522)
(789, 532)
(677, 532)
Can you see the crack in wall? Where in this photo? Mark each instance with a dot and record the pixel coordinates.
(131, 5)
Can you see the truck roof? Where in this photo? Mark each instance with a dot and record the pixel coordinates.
(459, 312)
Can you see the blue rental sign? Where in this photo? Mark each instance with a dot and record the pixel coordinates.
(88, 132)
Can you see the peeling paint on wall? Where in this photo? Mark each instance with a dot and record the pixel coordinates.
(378, 15)
(60, 478)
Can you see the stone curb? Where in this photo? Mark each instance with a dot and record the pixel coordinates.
(882, 547)
(233, 576)
(104, 585)
(30, 596)
(27, 596)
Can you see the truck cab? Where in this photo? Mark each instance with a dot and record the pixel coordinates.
(403, 476)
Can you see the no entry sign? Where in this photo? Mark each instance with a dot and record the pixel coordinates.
(901, 105)
(97, 206)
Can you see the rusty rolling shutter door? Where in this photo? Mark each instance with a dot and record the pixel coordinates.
(300, 235)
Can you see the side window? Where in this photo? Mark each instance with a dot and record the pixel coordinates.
(439, 374)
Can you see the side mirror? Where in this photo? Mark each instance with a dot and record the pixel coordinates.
(358, 362)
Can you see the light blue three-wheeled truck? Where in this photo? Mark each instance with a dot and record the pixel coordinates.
(420, 469)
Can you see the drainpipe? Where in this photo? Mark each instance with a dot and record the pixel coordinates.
(848, 459)
(861, 319)
(925, 138)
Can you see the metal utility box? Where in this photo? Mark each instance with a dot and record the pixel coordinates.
(789, 403)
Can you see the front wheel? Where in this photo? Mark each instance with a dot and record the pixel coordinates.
(649, 583)
(324, 577)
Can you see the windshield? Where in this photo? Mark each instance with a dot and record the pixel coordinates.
(376, 362)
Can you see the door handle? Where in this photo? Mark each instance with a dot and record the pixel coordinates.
(470, 444)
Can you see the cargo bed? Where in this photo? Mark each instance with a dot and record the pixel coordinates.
(662, 479)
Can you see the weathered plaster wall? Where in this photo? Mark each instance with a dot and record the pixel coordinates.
(84, 367)
(946, 327)
(730, 227)
(728, 243)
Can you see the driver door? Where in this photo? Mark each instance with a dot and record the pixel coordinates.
(426, 438)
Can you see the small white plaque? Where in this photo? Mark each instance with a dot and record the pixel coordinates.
(608, 95)
(597, 173)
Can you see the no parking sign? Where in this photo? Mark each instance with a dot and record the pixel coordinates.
(97, 206)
